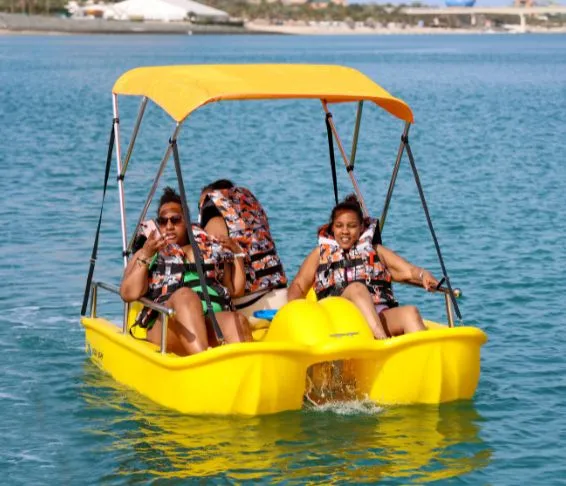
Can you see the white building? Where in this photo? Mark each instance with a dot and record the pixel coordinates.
(160, 10)
(164, 10)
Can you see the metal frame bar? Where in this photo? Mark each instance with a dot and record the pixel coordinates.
(394, 176)
(93, 299)
(420, 189)
(449, 309)
(345, 159)
(134, 136)
(166, 312)
(442, 290)
(356, 134)
(121, 197)
(154, 186)
(120, 181)
(447, 299)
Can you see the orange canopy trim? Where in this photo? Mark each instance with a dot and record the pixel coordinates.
(180, 90)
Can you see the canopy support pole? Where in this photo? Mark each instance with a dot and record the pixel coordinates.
(349, 167)
(154, 187)
(394, 176)
(120, 179)
(134, 136)
(405, 142)
(192, 241)
(122, 200)
(356, 134)
(331, 154)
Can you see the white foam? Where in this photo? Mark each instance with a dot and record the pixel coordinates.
(350, 407)
(8, 396)
(23, 312)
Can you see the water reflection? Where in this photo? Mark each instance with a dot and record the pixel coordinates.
(353, 442)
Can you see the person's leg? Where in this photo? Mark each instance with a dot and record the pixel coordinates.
(187, 328)
(402, 320)
(275, 299)
(173, 343)
(234, 326)
(358, 293)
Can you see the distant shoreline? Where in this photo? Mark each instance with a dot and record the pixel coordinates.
(18, 24)
(340, 28)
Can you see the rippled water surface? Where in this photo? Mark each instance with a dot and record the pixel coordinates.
(489, 142)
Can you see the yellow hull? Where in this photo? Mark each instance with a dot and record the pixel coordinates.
(270, 376)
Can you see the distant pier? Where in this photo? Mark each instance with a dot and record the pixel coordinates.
(521, 12)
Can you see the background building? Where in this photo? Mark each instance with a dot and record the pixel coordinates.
(159, 10)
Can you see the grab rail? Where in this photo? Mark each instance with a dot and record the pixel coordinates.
(447, 301)
(166, 312)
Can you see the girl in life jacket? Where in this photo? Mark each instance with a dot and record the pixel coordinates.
(348, 262)
(163, 270)
(229, 210)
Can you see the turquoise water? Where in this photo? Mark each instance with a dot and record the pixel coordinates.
(489, 141)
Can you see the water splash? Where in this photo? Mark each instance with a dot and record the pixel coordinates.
(349, 407)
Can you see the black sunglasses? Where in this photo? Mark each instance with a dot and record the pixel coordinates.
(175, 220)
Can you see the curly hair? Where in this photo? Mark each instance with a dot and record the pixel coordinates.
(169, 195)
(350, 203)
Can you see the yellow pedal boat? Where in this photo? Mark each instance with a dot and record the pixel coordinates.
(318, 350)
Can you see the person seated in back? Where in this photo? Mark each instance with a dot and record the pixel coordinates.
(229, 211)
(164, 271)
(348, 262)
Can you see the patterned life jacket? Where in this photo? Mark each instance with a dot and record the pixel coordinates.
(337, 268)
(169, 271)
(247, 223)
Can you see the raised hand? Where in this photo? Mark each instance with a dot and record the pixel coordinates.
(230, 244)
(154, 243)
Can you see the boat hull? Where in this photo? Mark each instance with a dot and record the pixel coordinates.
(270, 376)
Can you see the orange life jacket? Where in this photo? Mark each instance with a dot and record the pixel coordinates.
(337, 268)
(168, 266)
(169, 271)
(247, 224)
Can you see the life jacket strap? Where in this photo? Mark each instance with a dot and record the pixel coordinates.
(269, 271)
(217, 299)
(191, 267)
(334, 291)
(345, 263)
(258, 256)
(247, 303)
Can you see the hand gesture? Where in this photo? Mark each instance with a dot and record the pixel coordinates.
(154, 243)
(230, 244)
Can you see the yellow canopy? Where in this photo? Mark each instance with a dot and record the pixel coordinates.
(180, 90)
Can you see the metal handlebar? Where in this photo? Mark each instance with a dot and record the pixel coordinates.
(166, 312)
(443, 290)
